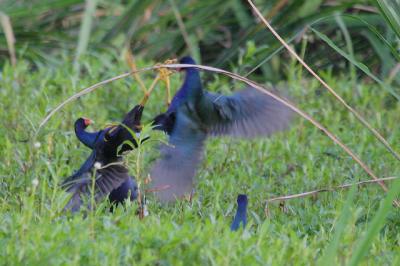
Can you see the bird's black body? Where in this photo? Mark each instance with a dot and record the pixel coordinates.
(195, 114)
(111, 177)
(128, 189)
(241, 213)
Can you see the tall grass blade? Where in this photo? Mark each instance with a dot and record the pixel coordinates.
(391, 12)
(349, 44)
(84, 33)
(309, 7)
(329, 255)
(373, 29)
(243, 18)
(375, 225)
(340, 99)
(359, 65)
(189, 40)
(383, 53)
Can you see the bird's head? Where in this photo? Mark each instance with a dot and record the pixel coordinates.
(242, 200)
(83, 122)
(186, 60)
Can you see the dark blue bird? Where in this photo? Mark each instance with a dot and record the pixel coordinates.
(241, 213)
(129, 187)
(112, 177)
(195, 114)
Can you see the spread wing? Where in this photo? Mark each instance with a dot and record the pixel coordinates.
(106, 180)
(247, 113)
(85, 168)
(172, 174)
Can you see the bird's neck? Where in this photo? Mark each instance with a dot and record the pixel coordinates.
(83, 136)
(241, 209)
(190, 90)
(192, 84)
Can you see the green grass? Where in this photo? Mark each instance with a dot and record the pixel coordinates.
(33, 230)
(218, 30)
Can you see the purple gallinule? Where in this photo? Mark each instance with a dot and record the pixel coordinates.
(195, 114)
(105, 162)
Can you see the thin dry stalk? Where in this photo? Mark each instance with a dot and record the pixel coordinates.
(10, 38)
(236, 77)
(149, 91)
(79, 94)
(181, 26)
(340, 99)
(132, 64)
(314, 192)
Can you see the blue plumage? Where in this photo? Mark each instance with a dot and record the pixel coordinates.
(195, 114)
(111, 176)
(87, 138)
(191, 87)
(127, 189)
(241, 213)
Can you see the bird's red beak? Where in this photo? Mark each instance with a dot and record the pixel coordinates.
(87, 121)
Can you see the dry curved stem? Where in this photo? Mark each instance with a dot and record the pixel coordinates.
(132, 64)
(314, 192)
(337, 96)
(83, 92)
(236, 77)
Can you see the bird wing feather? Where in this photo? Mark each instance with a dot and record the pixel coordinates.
(106, 180)
(247, 113)
(85, 168)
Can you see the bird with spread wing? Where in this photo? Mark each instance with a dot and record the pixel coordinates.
(194, 115)
(105, 162)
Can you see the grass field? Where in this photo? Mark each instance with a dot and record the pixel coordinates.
(34, 231)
